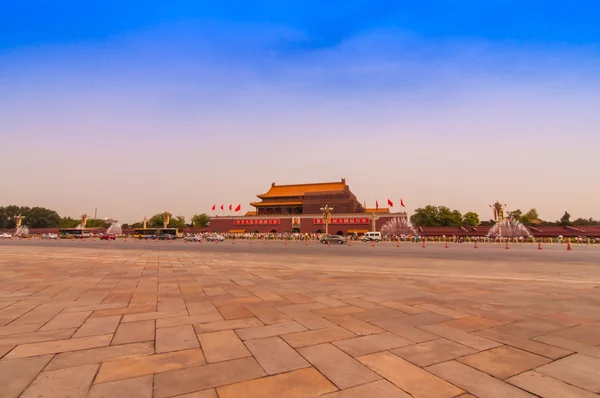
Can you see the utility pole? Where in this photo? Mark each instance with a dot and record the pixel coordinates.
(96, 213)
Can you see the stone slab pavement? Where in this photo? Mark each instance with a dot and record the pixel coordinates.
(156, 322)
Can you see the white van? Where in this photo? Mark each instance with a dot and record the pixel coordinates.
(376, 236)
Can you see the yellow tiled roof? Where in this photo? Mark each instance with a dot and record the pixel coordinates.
(301, 189)
(380, 210)
(250, 213)
(280, 203)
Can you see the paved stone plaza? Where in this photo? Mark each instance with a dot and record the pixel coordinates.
(116, 319)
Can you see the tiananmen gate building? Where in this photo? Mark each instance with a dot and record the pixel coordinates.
(296, 208)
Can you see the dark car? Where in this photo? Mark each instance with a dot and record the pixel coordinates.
(340, 240)
(166, 237)
(108, 237)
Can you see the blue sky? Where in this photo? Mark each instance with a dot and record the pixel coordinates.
(436, 93)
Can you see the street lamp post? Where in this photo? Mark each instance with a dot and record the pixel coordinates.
(326, 217)
(166, 218)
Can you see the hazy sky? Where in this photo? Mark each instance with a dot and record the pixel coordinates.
(136, 107)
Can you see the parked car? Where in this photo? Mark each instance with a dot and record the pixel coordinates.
(5, 235)
(50, 236)
(376, 236)
(166, 237)
(108, 237)
(193, 238)
(214, 238)
(340, 240)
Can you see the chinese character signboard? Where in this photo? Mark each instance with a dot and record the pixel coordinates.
(360, 220)
(257, 222)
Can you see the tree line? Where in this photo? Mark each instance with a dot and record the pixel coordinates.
(442, 216)
(40, 217)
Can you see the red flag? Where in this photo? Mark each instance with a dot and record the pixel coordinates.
(214, 207)
(376, 205)
(222, 207)
(230, 207)
(402, 203)
(238, 208)
(390, 203)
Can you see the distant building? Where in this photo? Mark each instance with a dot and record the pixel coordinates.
(297, 208)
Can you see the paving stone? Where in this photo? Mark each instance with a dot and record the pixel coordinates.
(434, 351)
(123, 311)
(67, 321)
(98, 326)
(467, 339)
(524, 344)
(208, 376)
(176, 338)
(503, 362)
(339, 310)
(369, 344)
(227, 325)
(578, 370)
(570, 345)
(546, 386)
(270, 330)
(235, 312)
(139, 387)
(17, 374)
(586, 334)
(57, 346)
(302, 383)
(310, 320)
(475, 382)
(154, 315)
(26, 338)
(5, 349)
(408, 377)
(379, 389)
(222, 346)
(188, 320)
(472, 323)
(211, 393)
(340, 368)
(70, 382)
(145, 365)
(99, 355)
(269, 316)
(313, 337)
(407, 309)
(134, 332)
(409, 332)
(18, 329)
(354, 325)
(443, 310)
(275, 355)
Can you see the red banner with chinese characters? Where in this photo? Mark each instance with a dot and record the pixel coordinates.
(335, 220)
(257, 222)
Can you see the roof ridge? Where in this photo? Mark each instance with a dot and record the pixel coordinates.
(342, 181)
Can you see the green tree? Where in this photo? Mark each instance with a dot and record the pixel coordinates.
(582, 222)
(39, 217)
(425, 217)
(200, 220)
(531, 217)
(471, 218)
(96, 223)
(565, 219)
(436, 216)
(156, 221)
(68, 222)
(516, 215)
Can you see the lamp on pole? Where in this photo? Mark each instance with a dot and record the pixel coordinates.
(326, 217)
